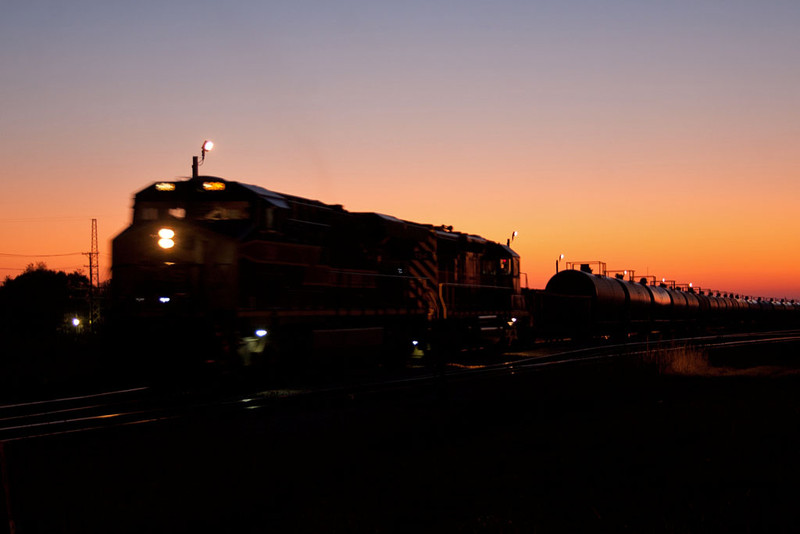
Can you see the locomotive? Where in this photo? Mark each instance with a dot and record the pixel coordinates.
(212, 266)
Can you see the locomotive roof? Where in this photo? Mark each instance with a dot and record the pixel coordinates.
(169, 189)
(271, 196)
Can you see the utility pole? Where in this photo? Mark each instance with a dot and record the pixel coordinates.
(94, 275)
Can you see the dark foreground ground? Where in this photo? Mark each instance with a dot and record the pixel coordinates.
(615, 447)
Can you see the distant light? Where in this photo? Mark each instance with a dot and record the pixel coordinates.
(214, 186)
(208, 145)
(415, 342)
(163, 300)
(690, 284)
(261, 332)
(76, 322)
(166, 243)
(165, 186)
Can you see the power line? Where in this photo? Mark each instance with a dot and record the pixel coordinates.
(53, 218)
(39, 255)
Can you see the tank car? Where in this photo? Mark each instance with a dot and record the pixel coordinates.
(578, 303)
(210, 266)
(582, 304)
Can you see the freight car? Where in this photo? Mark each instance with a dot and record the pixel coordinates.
(212, 267)
(579, 304)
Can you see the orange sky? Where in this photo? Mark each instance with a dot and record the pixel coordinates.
(656, 138)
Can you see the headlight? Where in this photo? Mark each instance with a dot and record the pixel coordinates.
(166, 235)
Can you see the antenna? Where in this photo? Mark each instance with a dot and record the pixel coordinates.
(205, 147)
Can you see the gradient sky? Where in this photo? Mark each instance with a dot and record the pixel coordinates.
(656, 136)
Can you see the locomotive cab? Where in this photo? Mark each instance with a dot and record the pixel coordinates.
(179, 253)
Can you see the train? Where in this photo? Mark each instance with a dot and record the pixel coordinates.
(224, 271)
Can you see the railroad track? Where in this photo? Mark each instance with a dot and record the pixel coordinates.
(141, 405)
(78, 413)
(535, 360)
(640, 348)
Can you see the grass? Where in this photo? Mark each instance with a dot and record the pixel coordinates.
(686, 360)
(690, 360)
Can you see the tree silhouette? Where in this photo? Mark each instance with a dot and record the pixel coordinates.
(40, 302)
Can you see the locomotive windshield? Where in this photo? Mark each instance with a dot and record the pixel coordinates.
(220, 211)
(198, 211)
